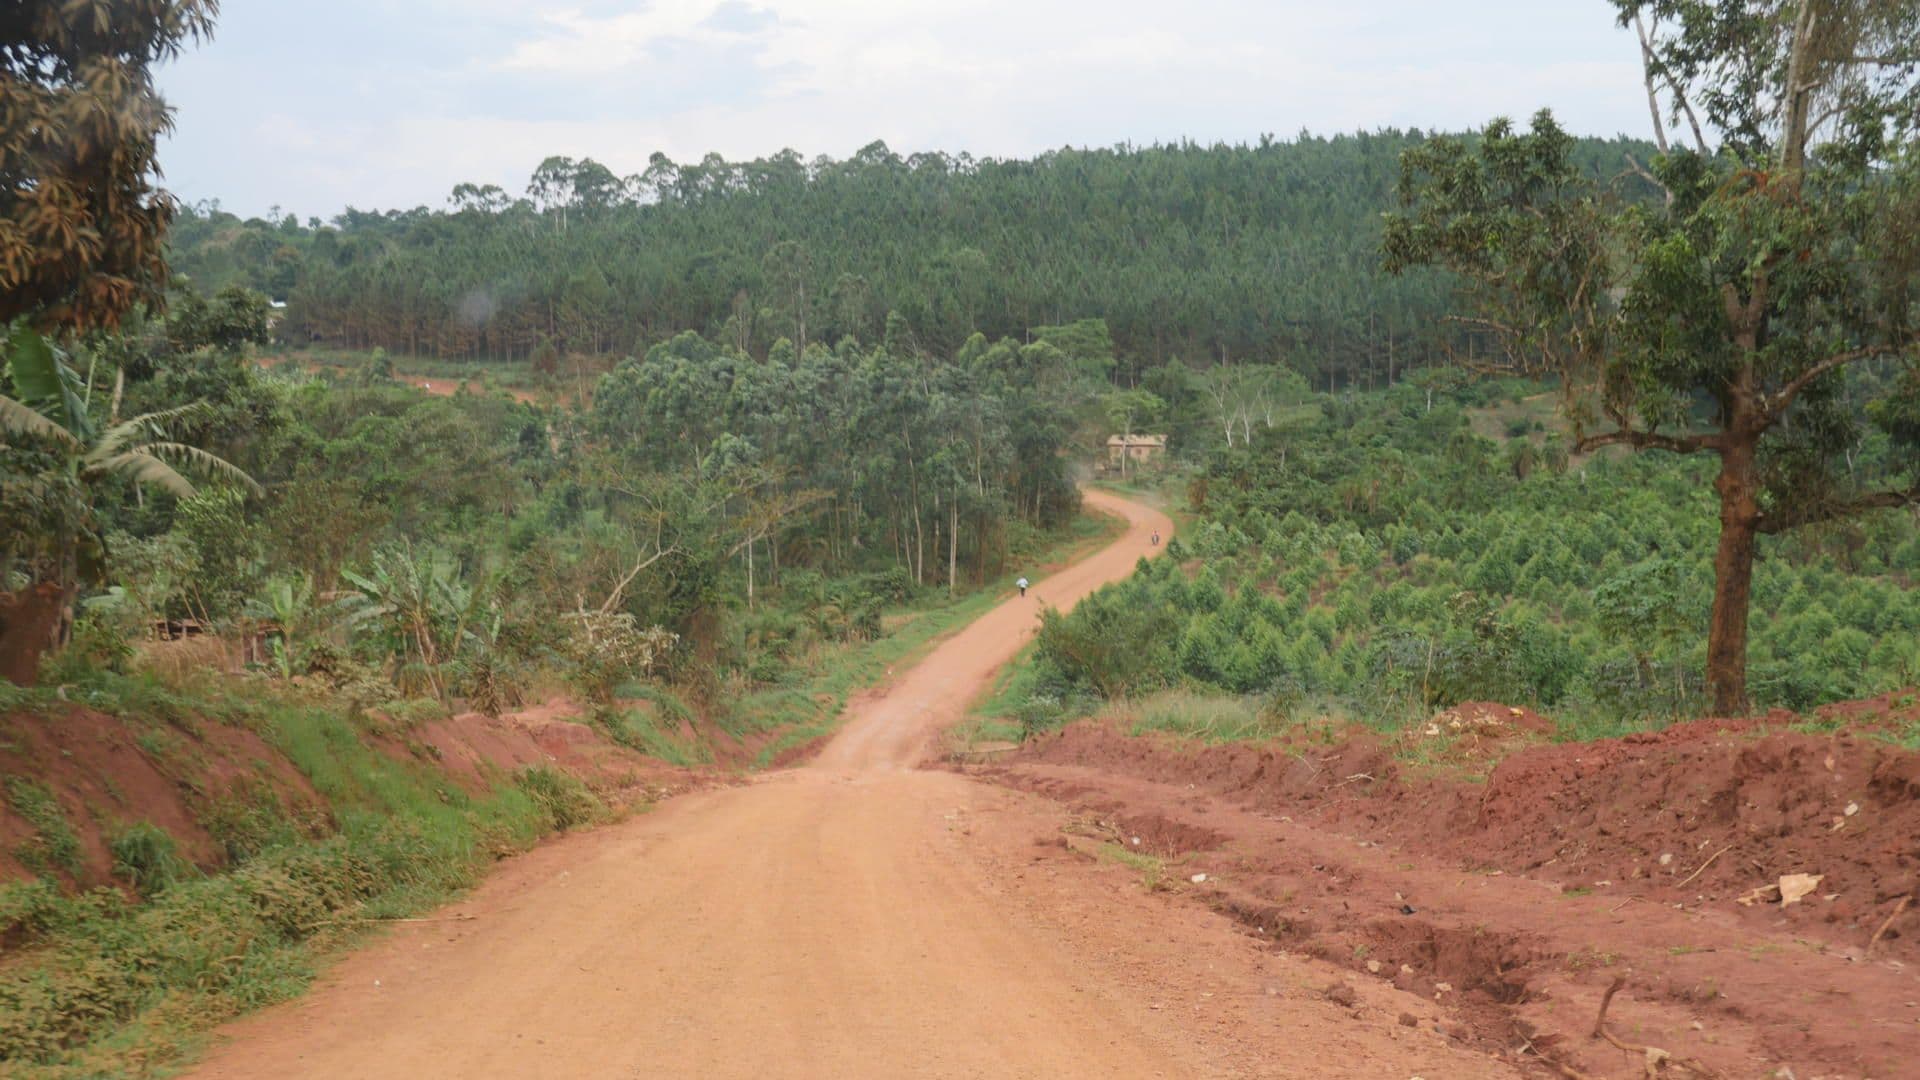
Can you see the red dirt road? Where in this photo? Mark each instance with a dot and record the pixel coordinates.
(857, 917)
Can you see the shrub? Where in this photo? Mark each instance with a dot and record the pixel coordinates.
(561, 797)
(146, 856)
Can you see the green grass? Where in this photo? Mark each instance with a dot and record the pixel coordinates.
(1152, 869)
(53, 845)
(1208, 718)
(146, 857)
(1012, 687)
(643, 730)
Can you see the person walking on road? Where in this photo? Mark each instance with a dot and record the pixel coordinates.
(1023, 586)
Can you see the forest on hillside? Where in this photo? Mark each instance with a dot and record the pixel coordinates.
(1265, 252)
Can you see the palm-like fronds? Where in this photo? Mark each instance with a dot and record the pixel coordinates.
(44, 382)
(211, 464)
(141, 468)
(120, 435)
(19, 418)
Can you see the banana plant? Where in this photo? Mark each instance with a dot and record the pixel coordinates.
(47, 413)
(288, 606)
(421, 606)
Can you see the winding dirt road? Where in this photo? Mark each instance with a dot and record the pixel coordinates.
(857, 917)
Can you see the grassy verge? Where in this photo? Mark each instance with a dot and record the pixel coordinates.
(812, 706)
(102, 984)
(995, 717)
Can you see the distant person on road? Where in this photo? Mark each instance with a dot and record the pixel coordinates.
(1023, 586)
(1156, 538)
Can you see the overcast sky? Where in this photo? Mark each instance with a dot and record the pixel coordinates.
(388, 103)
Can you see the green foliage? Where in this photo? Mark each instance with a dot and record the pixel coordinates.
(1581, 593)
(147, 857)
(1275, 261)
(564, 801)
(1750, 298)
(1116, 642)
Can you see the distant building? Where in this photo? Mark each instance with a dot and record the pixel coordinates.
(1135, 448)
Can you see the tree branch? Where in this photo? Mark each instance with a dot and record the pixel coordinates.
(1784, 396)
(1641, 171)
(1648, 440)
(1834, 510)
(1647, 64)
(613, 598)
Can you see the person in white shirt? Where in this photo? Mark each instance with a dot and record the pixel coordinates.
(1023, 586)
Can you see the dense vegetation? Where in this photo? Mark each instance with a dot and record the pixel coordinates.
(1379, 557)
(1263, 252)
(106, 983)
(708, 517)
(812, 403)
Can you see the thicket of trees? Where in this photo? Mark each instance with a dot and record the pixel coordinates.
(709, 520)
(1263, 252)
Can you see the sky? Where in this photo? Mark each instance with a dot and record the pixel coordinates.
(377, 104)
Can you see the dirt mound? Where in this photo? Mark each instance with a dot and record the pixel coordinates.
(1698, 814)
(1293, 769)
(1710, 810)
(474, 748)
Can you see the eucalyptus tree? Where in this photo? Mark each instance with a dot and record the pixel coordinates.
(1749, 296)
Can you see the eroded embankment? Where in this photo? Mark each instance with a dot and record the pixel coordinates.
(1518, 899)
(212, 785)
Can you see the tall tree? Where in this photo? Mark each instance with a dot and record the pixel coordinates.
(81, 221)
(1752, 292)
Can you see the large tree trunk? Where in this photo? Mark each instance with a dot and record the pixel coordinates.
(30, 624)
(1738, 485)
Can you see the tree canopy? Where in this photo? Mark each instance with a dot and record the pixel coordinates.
(81, 223)
(1750, 297)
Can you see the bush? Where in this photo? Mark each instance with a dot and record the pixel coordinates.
(561, 797)
(1114, 643)
(146, 856)
(894, 585)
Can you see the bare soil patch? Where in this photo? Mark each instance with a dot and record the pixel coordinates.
(1516, 902)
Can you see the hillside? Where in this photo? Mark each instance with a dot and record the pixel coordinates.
(1262, 252)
